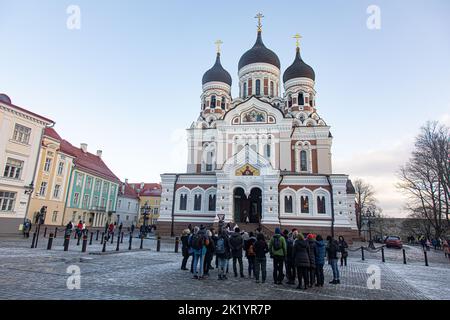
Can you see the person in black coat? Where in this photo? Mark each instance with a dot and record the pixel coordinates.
(290, 265)
(300, 254)
(185, 248)
(312, 258)
(237, 245)
(261, 250)
(343, 246)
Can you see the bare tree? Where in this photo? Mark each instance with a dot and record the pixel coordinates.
(425, 178)
(364, 199)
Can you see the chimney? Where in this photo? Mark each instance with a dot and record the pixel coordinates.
(99, 153)
(83, 147)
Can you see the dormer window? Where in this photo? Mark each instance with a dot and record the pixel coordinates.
(213, 102)
(245, 90)
(301, 100)
(271, 89)
(258, 87)
(222, 103)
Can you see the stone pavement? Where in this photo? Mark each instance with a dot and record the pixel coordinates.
(41, 274)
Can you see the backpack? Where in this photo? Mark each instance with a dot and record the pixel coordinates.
(251, 251)
(276, 243)
(197, 242)
(220, 246)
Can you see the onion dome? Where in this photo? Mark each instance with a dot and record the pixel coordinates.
(217, 73)
(259, 53)
(5, 98)
(298, 69)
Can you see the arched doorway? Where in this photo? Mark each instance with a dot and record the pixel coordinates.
(244, 206)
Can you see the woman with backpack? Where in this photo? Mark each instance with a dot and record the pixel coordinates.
(300, 253)
(343, 250)
(210, 248)
(250, 254)
(222, 250)
(185, 248)
(199, 242)
(320, 260)
(261, 249)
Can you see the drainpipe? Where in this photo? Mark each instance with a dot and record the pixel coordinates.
(67, 193)
(172, 233)
(279, 200)
(332, 205)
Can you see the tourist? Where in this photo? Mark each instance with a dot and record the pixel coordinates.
(237, 244)
(250, 253)
(210, 248)
(261, 250)
(300, 253)
(343, 250)
(222, 250)
(332, 251)
(214, 239)
(278, 251)
(320, 260)
(111, 229)
(198, 244)
(311, 239)
(446, 246)
(68, 230)
(290, 265)
(27, 228)
(185, 248)
(79, 229)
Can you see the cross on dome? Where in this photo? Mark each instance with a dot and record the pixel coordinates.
(259, 16)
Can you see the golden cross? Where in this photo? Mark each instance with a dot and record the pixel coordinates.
(259, 16)
(297, 37)
(218, 43)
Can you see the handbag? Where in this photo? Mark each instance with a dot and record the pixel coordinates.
(21, 227)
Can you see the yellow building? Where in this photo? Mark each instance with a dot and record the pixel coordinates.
(150, 197)
(51, 180)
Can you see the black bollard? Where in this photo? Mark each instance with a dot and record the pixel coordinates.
(90, 240)
(83, 248)
(66, 242)
(78, 241)
(103, 236)
(34, 239)
(56, 231)
(382, 254)
(362, 253)
(118, 243)
(121, 238)
(158, 244)
(45, 232)
(96, 237)
(104, 246)
(426, 258)
(177, 243)
(50, 241)
(112, 238)
(131, 239)
(404, 256)
(142, 243)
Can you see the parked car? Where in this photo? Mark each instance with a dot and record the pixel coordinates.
(393, 242)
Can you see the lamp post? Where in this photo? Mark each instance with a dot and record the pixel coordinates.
(146, 209)
(369, 215)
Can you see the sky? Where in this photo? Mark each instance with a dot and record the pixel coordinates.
(128, 81)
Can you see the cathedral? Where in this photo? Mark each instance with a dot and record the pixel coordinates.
(260, 159)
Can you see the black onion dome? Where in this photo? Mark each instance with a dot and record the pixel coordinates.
(259, 54)
(299, 69)
(217, 73)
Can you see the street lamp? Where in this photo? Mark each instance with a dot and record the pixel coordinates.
(369, 214)
(145, 217)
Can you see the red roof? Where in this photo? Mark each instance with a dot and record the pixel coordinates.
(128, 191)
(26, 111)
(88, 162)
(147, 190)
(50, 132)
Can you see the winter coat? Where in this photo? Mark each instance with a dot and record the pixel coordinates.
(248, 243)
(280, 252)
(320, 252)
(332, 249)
(261, 249)
(227, 253)
(312, 253)
(300, 253)
(343, 246)
(236, 244)
(185, 245)
(290, 246)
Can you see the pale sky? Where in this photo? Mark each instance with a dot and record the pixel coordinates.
(129, 81)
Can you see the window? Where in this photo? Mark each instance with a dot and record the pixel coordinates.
(198, 202)
(267, 151)
(110, 204)
(222, 103)
(209, 161)
(129, 204)
(95, 203)
(56, 191)
(54, 216)
(88, 182)
(13, 168)
(76, 198)
(74, 216)
(288, 204)
(301, 99)
(127, 217)
(97, 185)
(258, 87)
(271, 89)
(79, 180)
(47, 165)
(321, 205)
(212, 202)
(213, 102)
(304, 203)
(85, 201)
(7, 200)
(266, 87)
(289, 101)
(250, 87)
(245, 90)
(103, 202)
(303, 161)
(119, 203)
(60, 168)
(183, 202)
(21, 134)
(43, 189)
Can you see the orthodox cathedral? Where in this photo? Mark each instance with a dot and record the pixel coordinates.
(260, 159)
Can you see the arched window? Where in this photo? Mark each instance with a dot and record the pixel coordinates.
(183, 202)
(301, 99)
(222, 103)
(304, 204)
(289, 101)
(209, 161)
(321, 205)
(271, 89)
(288, 204)
(213, 102)
(267, 151)
(245, 90)
(258, 87)
(303, 161)
(212, 202)
(198, 202)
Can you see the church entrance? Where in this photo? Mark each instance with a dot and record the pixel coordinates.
(250, 207)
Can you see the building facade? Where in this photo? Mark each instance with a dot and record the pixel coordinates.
(20, 136)
(52, 179)
(262, 157)
(127, 211)
(149, 199)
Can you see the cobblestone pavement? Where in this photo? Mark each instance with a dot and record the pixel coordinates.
(41, 274)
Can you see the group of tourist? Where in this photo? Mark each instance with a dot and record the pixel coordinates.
(294, 255)
(437, 243)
